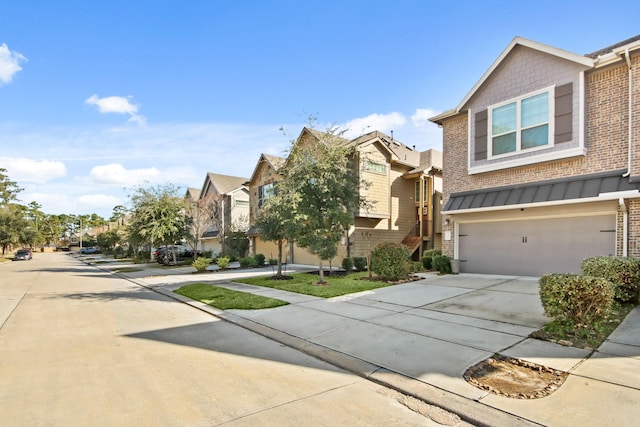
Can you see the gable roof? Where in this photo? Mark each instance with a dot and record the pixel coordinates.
(193, 193)
(596, 59)
(274, 162)
(223, 184)
(519, 41)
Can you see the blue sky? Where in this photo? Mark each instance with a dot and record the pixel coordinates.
(97, 97)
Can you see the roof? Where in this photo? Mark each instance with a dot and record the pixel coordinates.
(210, 234)
(613, 47)
(193, 193)
(598, 58)
(223, 183)
(430, 161)
(400, 153)
(275, 162)
(561, 190)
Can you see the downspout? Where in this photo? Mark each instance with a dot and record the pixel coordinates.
(625, 225)
(630, 134)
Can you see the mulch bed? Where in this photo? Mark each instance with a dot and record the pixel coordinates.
(514, 378)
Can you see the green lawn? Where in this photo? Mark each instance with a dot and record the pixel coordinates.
(304, 283)
(227, 299)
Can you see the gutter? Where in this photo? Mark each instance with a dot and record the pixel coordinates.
(630, 126)
(625, 226)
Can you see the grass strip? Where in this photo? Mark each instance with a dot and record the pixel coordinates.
(227, 299)
(306, 283)
(581, 336)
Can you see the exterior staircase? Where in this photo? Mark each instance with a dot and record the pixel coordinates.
(411, 242)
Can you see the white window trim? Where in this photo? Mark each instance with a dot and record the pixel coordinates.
(518, 100)
(371, 162)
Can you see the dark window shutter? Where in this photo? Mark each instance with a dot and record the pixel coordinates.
(480, 150)
(564, 113)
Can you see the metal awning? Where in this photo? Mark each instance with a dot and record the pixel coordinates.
(590, 186)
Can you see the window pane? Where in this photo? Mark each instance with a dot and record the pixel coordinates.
(503, 119)
(504, 144)
(535, 110)
(535, 137)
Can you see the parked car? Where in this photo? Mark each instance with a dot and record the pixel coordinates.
(164, 256)
(23, 255)
(90, 250)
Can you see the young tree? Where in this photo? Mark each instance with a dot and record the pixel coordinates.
(159, 215)
(203, 214)
(276, 223)
(323, 187)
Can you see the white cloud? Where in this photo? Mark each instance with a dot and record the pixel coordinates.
(9, 63)
(22, 169)
(421, 117)
(382, 122)
(116, 174)
(118, 105)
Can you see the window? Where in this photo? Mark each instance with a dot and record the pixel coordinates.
(520, 124)
(424, 192)
(265, 192)
(375, 167)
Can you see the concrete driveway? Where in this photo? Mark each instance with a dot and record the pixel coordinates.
(420, 338)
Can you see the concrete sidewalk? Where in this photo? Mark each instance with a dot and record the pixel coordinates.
(420, 337)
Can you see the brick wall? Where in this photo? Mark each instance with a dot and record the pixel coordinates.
(606, 139)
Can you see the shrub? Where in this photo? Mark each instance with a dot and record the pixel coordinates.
(427, 258)
(259, 258)
(579, 299)
(389, 260)
(414, 266)
(442, 263)
(207, 254)
(623, 272)
(201, 263)
(273, 261)
(223, 262)
(347, 264)
(360, 263)
(248, 262)
(427, 262)
(431, 253)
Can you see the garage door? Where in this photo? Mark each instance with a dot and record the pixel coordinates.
(534, 247)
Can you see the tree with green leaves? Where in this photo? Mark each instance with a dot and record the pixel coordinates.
(8, 189)
(276, 223)
(323, 188)
(158, 215)
(50, 228)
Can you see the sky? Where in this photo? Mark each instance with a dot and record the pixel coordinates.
(100, 97)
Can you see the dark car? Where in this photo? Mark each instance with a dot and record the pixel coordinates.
(23, 255)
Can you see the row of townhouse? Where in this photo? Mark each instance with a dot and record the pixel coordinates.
(542, 161)
(403, 188)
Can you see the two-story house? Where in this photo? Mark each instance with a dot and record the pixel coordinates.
(220, 206)
(401, 185)
(542, 161)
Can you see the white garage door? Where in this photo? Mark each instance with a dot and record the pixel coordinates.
(534, 247)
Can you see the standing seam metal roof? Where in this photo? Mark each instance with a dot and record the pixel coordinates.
(572, 188)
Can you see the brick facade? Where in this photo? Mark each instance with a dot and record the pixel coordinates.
(606, 135)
